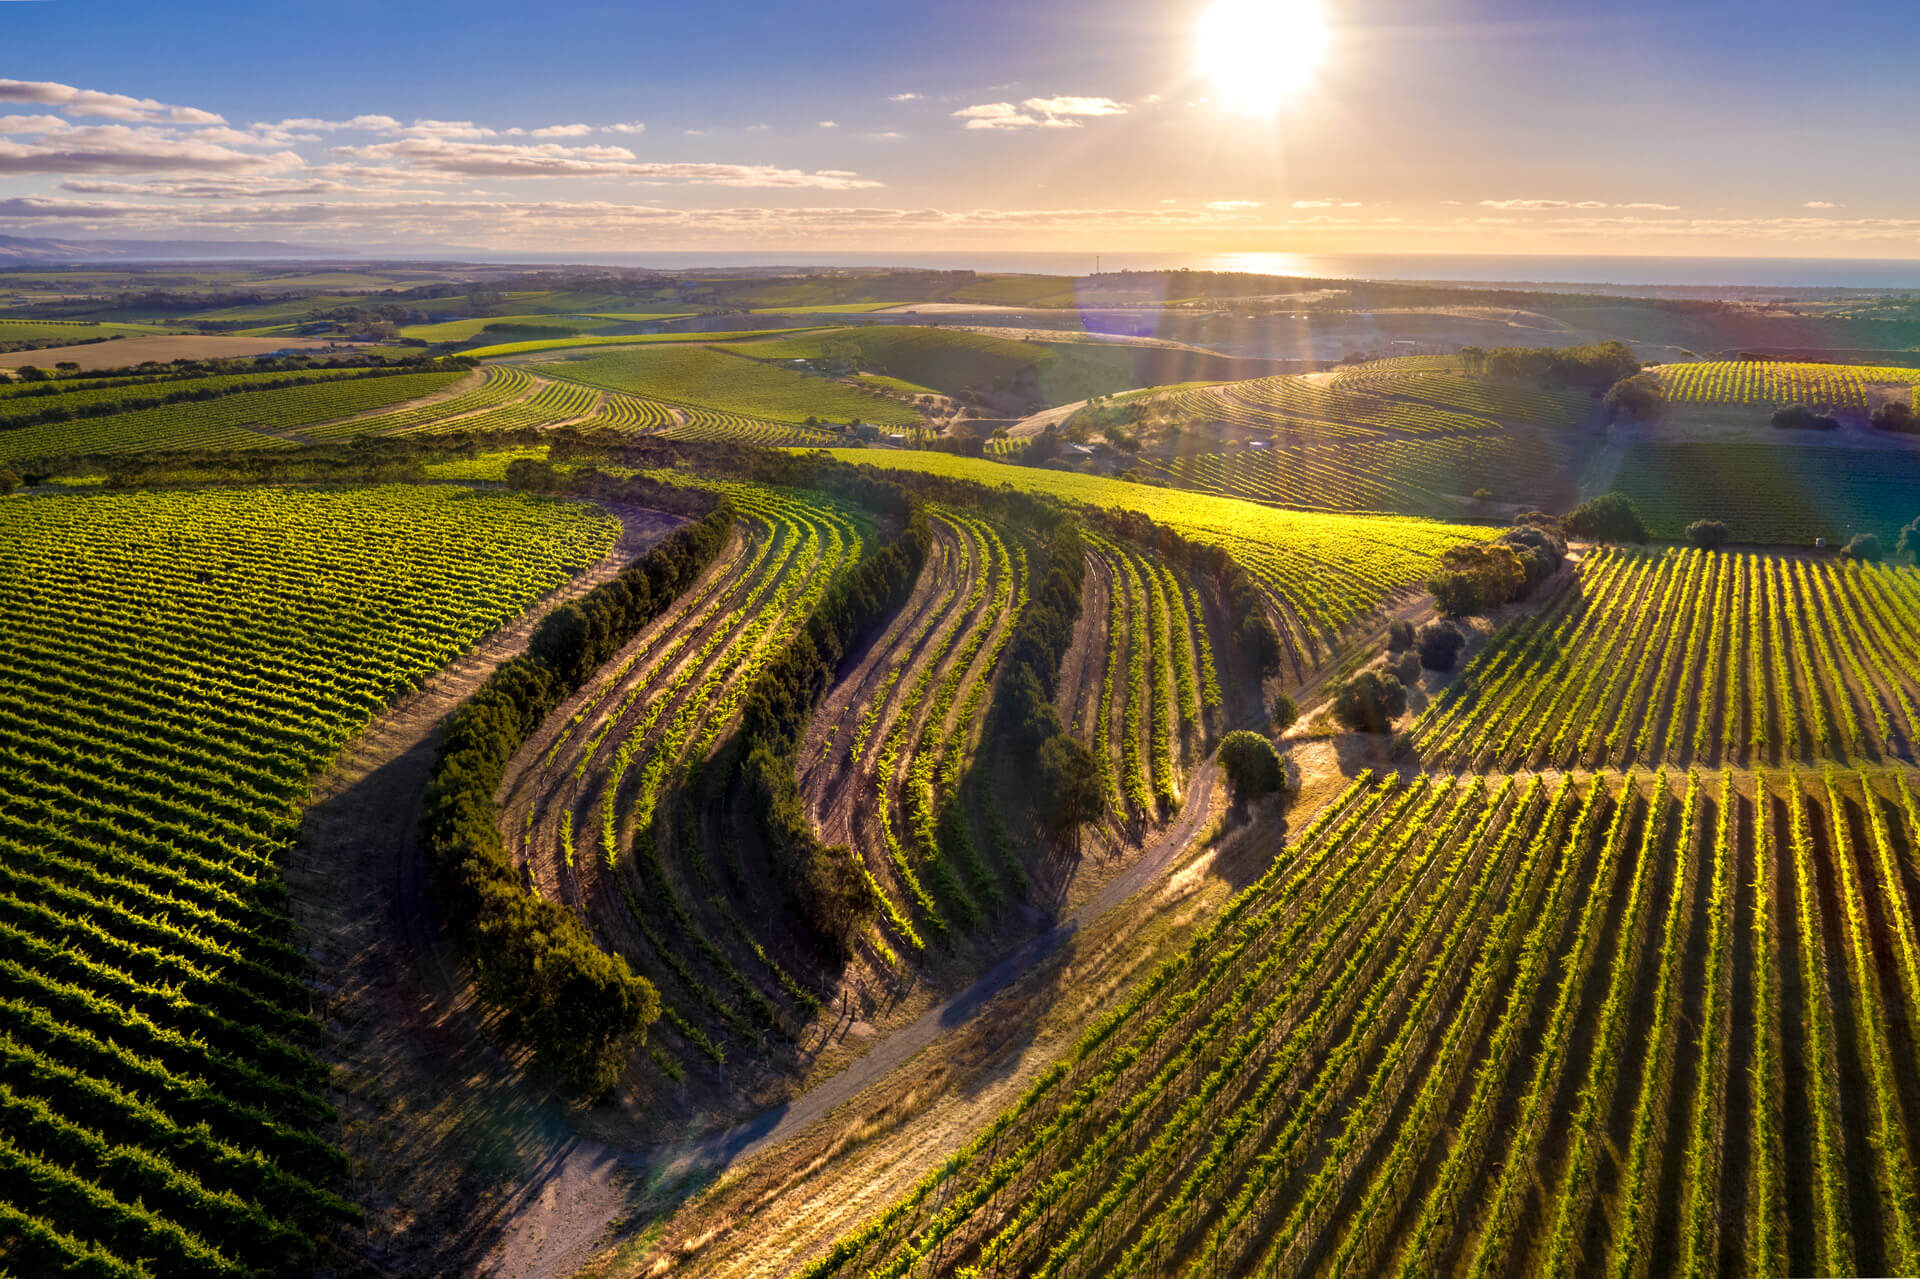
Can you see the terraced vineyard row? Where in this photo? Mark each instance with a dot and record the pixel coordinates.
(1487, 1027)
(1693, 656)
(1416, 476)
(1776, 383)
(597, 803)
(1288, 398)
(230, 421)
(1151, 697)
(501, 384)
(174, 667)
(1323, 573)
(884, 765)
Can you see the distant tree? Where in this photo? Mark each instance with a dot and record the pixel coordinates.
(1285, 713)
(530, 475)
(1908, 547)
(1896, 417)
(1864, 547)
(1252, 766)
(1798, 417)
(1440, 645)
(1482, 496)
(1399, 635)
(1640, 398)
(1708, 535)
(1611, 517)
(1369, 702)
(28, 373)
(10, 481)
(1071, 795)
(68, 366)
(1474, 358)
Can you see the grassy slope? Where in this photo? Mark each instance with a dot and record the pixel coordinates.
(697, 374)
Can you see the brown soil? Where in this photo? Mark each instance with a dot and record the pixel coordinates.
(162, 347)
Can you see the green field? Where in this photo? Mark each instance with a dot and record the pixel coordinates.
(177, 667)
(533, 345)
(698, 375)
(245, 420)
(70, 330)
(1774, 494)
(469, 329)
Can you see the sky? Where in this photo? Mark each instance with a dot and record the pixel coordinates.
(1685, 127)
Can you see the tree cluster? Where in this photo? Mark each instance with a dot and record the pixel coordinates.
(1440, 645)
(1708, 535)
(1479, 576)
(1894, 416)
(827, 881)
(1370, 701)
(579, 1008)
(1639, 398)
(1252, 766)
(1611, 517)
(1024, 715)
(1593, 367)
(1798, 417)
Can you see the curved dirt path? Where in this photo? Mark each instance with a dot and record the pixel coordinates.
(434, 1118)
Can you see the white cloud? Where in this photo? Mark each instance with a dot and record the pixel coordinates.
(457, 161)
(1650, 206)
(35, 207)
(21, 125)
(102, 106)
(904, 97)
(1224, 206)
(1327, 203)
(829, 124)
(1822, 204)
(1063, 112)
(362, 123)
(631, 126)
(114, 148)
(564, 131)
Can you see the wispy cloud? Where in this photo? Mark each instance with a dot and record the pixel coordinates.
(455, 159)
(1062, 112)
(904, 97)
(93, 104)
(1822, 204)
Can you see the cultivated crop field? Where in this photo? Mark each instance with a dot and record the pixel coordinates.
(700, 376)
(1323, 572)
(1830, 387)
(176, 667)
(1416, 1043)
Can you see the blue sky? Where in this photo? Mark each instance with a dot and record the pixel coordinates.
(1431, 125)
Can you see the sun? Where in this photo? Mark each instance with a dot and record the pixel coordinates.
(1260, 53)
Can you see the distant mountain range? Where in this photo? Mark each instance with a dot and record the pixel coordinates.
(18, 249)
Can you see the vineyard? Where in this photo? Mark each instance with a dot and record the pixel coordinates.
(242, 420)
(885, 765)
(1427, 477)
(1487, 1026)
(1773, 494)
(177, 666)
(708, 377)
(1691, 657)
(1832, 387)
(603, 805)
(1323, 574)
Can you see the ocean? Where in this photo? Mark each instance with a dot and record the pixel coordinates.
(1616, 272)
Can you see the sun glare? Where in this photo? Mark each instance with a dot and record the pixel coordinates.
(1260, 53)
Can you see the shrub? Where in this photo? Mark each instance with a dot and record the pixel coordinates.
(1708, 535)
(1285, 714)
(10, 481)
(1399, 635)
(1252, 766)
(1908, 547)
(1369, 702)
(1896, 417)
(1611, 517)
(1070, 784)
(1798, 417)
(1406, 668)
(1440, 645)
(1864, 547)
(1476, 577)
(1640, 398)
(530, 475)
